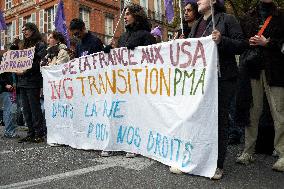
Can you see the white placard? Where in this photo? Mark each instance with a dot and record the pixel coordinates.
(17, 60)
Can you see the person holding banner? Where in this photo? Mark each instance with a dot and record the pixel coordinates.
(265, 70)
(56, 51)
(190, 16)
(227, 34)
(138, 33)
(89, 43)
(30, 84)
(138, 29)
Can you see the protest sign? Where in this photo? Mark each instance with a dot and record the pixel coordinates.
(17, 60)
(159, 101)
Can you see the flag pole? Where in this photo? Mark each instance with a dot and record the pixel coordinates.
(212, 13)
(181, 17)
(121, 14)
(214, 28)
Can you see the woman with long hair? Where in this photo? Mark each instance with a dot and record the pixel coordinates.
(137, 33)
(30, 84)
(57, 50)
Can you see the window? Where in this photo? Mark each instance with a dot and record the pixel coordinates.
(11, 32)
(144, 3)
(85, 16)
(108, 29)
(33, 18)
(8, 33)
(41, 21)
(28, 19)
(2, 42)
(21, 23)
(158, 10)
(46, 19)
(8, 4)
(50, 18)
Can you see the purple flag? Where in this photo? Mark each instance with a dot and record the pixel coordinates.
(222, 2)
(169, 7)
(60, 22)
(3, 25)
(157, 31)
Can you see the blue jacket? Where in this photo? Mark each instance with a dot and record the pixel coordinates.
(88, 45)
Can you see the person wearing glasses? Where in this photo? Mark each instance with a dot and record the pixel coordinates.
(30, 84)
(88, 43)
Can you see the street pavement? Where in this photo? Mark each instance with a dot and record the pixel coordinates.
(34, 166)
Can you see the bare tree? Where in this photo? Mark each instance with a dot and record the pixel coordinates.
(240, 7)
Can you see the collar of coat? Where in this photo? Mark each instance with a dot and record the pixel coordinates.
(217, 17)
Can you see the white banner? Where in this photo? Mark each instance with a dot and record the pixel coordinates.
(159, 101)
(17, 60)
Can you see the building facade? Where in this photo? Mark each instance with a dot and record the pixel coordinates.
(156, 13)
(100, 16)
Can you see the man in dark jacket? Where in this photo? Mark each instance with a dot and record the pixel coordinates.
(266, 75)
(89, 43)
(230, 40)
(190, 16)
(137, 33)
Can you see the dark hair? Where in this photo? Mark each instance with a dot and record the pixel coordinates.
(219, 6)
(140, 18)
(73, 41)
(14, 47)
(77, 24)
(194, 7)
(35, 37)
(44, 36)
(58, 37)
(15, 44)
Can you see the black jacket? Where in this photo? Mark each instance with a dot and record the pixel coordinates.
(88, 45)
(32, 77)
(6, 78)
(232, 43)
(136, 36)
(186, 30)
(273, 59)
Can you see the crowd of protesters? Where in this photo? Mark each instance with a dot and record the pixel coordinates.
(242, 87)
